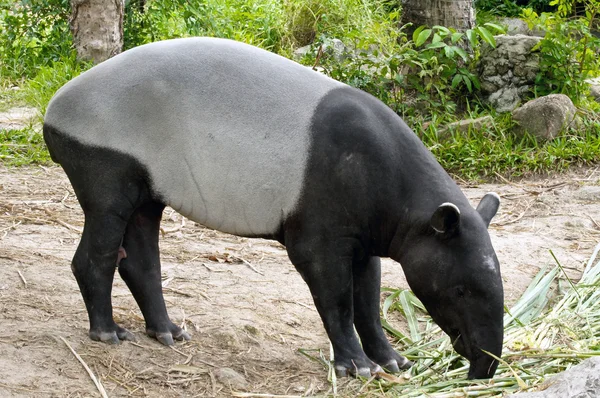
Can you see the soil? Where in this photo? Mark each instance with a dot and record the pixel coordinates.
(242, 301)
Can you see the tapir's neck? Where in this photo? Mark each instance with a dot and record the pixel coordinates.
(422, 196)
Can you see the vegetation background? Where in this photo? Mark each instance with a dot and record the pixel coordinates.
(426, 77)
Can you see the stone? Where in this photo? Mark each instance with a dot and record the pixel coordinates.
(231, 378)
(581, 381)
(544, 117)
(507, 71)
(334, 48)
(594, 88)
(464, 126)
(516, 26)
(505, 99)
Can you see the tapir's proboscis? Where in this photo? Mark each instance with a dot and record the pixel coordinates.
(247, 142)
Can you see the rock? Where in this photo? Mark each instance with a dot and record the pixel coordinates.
(505, 99)
(334, 48)
(464, 126)
(594, 88)
(516, 26)
(17, 118)
(231, 378)
(299, 53)
(507, 71)
(544, 117)
(581, 381)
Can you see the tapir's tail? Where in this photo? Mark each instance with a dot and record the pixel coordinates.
(49, 137)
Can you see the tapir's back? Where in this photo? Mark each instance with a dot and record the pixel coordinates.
(212, 120)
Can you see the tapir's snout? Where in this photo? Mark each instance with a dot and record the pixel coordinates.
(482, 365)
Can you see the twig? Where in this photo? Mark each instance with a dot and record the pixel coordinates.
(252, 267)
(318, 57)
(96, 381)
(22, 278)
(164, 231)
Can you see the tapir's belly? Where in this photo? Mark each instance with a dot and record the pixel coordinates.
(223, 128)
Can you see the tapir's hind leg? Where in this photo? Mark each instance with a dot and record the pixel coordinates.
(141, 271)
(94, 267)
(367, 282)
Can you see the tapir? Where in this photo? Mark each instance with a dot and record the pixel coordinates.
(247, 142)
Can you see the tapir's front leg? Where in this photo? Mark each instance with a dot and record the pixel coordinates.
(141, 271)
(367, 282)
(326, 266)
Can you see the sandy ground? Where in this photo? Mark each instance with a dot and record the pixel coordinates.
(241, 299)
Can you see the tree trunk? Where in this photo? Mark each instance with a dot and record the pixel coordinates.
(457, 14)
(97, 27)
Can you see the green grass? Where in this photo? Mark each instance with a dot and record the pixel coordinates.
(23, 147)
(485, 153)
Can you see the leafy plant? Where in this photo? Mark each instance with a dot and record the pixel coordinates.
(32, 34)
(567, 51)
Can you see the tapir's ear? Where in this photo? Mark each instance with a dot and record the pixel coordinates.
(488, 207)
(446, 219)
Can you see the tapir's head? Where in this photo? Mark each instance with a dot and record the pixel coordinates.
(452, 268)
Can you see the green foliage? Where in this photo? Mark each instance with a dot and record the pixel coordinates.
(423, 75)
(486, 153)
(511, 8)
(32, 34)
(38, 91)
(567, 52)
(254, 22)
(22, 147)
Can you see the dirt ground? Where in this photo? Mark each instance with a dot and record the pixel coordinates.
(244, 304)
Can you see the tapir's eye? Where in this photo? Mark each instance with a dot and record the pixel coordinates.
(460, 292)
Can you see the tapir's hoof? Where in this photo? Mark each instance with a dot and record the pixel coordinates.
(395, 366)
(112, 337)
(363, 371)
(167, 338)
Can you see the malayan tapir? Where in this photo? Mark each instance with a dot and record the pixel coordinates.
(247, 142)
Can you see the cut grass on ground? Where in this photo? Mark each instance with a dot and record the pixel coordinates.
(539, 340)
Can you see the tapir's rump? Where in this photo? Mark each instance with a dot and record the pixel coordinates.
(203, 112)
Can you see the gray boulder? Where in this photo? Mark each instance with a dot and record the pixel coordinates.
(508, 71)
(516, 26)
(544, 117)
(594, 88)
(581, 381)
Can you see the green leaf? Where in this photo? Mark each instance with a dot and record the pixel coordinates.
(456, 37)
(417, 32)
(472, 36)
(486, 36)
(422, 38)
(461, 52)
(409, 312)
(456, 81)
(442, 29)
(439, 44)
(467, 82)
(498, 28)
(436, 38)
(449, 51)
